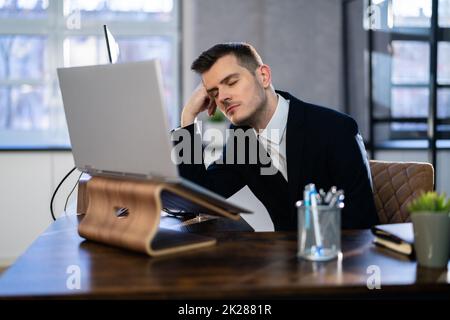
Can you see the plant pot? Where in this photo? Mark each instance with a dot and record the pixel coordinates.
(431, 238)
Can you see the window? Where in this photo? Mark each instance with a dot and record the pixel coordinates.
(411, 13)
(402, 84)
(37, 36)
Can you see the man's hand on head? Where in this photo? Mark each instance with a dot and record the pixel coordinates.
(198, 102)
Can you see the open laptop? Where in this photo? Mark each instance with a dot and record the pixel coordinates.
(118, 126)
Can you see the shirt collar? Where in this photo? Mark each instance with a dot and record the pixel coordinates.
(277, 122)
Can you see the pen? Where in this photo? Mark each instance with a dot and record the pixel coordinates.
(307, 202)
(315, 215)
(322, 195)
(337, 197)
(330, 194)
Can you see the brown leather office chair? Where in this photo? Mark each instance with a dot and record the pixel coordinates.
(395, 184)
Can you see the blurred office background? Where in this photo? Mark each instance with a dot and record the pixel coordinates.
(386, 63)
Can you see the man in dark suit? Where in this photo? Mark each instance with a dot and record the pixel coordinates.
(304, 143)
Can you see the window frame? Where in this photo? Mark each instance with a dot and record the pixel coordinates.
(432, 137)
(54, 28)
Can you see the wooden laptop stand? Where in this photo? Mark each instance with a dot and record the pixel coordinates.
(126, 214)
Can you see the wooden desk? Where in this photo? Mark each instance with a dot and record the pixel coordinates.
(242, 265)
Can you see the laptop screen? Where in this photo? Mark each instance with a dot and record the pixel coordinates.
(117, 120)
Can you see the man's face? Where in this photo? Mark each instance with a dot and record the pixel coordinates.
(237, 92)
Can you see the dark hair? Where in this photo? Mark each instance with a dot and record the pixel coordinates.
(246, 55)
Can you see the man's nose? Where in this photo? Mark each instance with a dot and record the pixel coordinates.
(224, 97)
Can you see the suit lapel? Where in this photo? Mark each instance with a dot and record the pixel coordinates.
(295, 135)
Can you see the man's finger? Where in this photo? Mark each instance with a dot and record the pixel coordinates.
(212, 108)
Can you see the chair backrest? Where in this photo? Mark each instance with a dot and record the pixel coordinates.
(395, 184)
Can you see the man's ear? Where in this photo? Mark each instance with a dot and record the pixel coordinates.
(265, 75)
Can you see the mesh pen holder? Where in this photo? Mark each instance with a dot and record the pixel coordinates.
(319, 232)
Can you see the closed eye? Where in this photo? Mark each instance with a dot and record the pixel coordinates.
(214, 93)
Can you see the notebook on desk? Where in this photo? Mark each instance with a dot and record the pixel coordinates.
(398, 237)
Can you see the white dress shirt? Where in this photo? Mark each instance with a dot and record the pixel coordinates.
(273, 137)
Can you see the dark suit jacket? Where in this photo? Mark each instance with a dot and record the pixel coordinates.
(320, 148)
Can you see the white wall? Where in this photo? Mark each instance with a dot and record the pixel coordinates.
(300, 39)
(27, 180)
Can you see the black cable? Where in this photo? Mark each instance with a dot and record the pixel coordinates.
(179, 213)
(56, 190)
(71, 191)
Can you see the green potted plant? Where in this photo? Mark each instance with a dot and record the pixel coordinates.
(214, 129)
(430, 215)
(217, 117)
